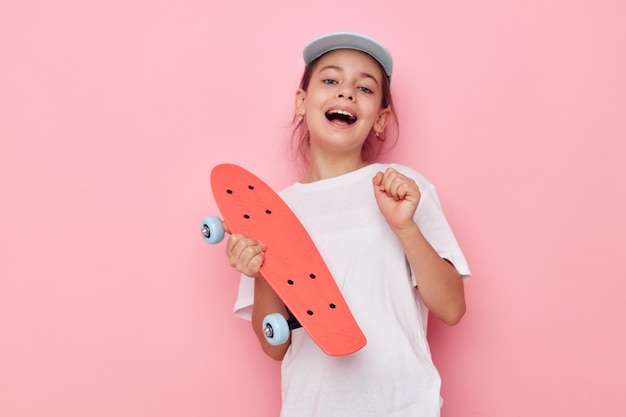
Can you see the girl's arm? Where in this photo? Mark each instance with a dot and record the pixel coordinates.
(246, 255)
(267, 302)
(439, 283)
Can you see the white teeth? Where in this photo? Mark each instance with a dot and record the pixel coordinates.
(342, 112)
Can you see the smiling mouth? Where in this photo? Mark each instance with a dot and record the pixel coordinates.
(341, 116)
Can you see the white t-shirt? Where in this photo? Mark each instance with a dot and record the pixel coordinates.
(393, 375)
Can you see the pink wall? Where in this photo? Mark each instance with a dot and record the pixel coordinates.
(113, 113)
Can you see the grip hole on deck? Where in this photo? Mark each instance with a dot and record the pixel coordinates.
(268, 211)
(246, 216)
(332, 305)
(290, 282)
(312, 276)
(309, 312)
(250, 187)
(229, 191)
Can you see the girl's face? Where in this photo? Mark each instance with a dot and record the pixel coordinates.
(342, 104)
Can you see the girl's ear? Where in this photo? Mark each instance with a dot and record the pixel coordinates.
(383, 119)
(300, 98)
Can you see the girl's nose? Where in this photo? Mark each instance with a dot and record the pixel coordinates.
(348, 96)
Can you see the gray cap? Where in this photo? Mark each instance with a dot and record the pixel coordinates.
(348, 40)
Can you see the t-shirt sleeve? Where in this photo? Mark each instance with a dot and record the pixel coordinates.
(435, 228)
(245, 298)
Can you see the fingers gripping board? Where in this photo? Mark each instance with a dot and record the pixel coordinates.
(292, 265)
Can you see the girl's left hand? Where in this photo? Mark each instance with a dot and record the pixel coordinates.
(397, 197)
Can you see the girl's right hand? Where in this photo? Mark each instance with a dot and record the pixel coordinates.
(245, 254)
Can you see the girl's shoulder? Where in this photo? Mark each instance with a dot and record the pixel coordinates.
(359, 176)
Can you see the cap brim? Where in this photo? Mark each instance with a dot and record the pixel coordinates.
(349, 40)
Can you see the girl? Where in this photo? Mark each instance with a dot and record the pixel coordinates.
(383, 235)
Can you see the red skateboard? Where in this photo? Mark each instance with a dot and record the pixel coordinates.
(292, 266)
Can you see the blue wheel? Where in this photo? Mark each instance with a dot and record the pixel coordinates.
(212, 230)
(275, 329)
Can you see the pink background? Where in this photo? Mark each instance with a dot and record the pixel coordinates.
(113, 113)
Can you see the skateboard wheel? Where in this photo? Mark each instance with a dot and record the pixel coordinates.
(275, 329)
(212, 230)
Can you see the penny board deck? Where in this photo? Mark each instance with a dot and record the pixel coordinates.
(293, 265)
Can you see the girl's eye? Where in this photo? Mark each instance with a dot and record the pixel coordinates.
(365, 90)
(329, 81)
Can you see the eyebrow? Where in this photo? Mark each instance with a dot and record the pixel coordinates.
(340, 69)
